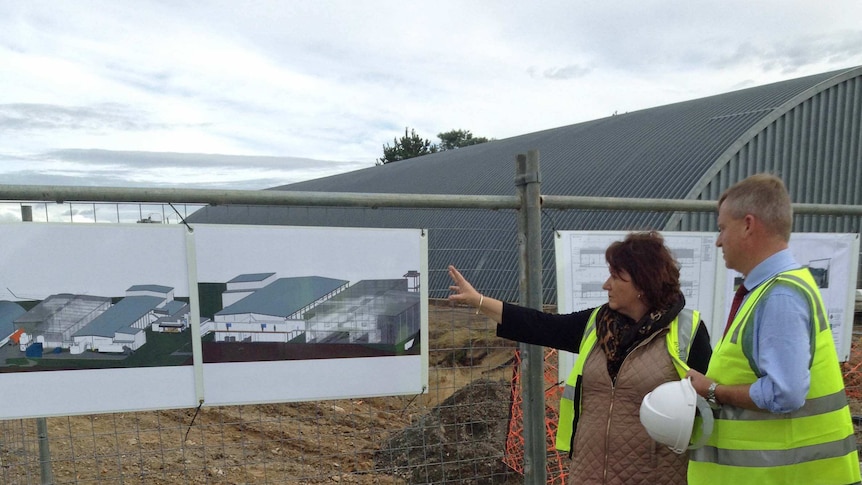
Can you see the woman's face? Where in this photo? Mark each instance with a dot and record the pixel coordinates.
(624, 296)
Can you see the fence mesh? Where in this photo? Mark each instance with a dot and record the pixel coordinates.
(467, 429)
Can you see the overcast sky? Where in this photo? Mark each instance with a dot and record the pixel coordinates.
(249, 95)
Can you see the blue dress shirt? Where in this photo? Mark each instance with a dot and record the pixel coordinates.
(781, 339)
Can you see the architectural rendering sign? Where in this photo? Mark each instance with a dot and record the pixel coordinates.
(309, 312)
(103, 318)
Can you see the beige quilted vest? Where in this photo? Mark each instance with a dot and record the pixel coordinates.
(611, 446)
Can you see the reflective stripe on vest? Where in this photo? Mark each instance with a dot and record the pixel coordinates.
(679, 337)
(814, 444)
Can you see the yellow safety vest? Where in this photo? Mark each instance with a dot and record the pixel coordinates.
(679, 337)
(812, 445)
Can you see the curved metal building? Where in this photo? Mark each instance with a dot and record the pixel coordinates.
(806, 130)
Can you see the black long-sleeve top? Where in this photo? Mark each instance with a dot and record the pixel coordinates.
(564, 332)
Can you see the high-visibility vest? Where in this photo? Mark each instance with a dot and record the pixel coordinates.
(812, 445)
(678, 340)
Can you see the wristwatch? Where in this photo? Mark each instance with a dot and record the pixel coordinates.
(710, 394)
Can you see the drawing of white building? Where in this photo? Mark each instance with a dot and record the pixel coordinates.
(122, 327)
(274, 312)
(84, 322)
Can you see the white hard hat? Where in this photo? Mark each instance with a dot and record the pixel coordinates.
(668, 414)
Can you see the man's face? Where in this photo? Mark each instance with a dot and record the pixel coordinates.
(730, 234)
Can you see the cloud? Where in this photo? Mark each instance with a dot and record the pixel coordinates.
(788, 56)
(561, 73)
(167, 170)
(30, 116)
(333, 80)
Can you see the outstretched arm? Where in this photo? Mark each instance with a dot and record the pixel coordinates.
(463, 292)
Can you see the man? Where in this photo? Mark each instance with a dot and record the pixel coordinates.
(782, 415)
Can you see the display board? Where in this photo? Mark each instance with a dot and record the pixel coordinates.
(125, 317)
(362, 334)
(707, 285)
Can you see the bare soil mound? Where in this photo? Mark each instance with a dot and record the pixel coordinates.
(461, 440)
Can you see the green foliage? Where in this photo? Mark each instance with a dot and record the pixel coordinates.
(412, 145)
(409, 146)
(454, 139)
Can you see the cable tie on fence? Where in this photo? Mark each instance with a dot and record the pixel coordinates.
(553, 222)
(197, 410)
(182, 219)
(413, 399)
(554, 385)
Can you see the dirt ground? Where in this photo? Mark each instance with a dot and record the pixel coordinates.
(455, 433)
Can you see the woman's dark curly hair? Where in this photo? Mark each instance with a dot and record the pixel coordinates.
(652, 267)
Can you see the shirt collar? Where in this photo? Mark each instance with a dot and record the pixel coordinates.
(777, 263)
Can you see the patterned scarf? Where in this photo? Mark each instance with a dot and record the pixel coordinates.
(618, 334)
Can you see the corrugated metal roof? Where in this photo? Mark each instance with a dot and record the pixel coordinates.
(284, 296)
(683, 150)
(173, 307)
(153, 288)
(251, 278)
(120, 317)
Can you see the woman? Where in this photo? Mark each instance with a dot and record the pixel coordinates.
(639, 339)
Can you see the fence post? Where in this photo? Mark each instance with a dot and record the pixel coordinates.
(45, 470)
(528, 181)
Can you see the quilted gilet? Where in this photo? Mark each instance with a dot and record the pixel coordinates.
(610, 445)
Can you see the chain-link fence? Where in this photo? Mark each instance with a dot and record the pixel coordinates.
(459, 431)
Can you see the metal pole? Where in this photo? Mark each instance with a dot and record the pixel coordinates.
(527, 181)
(64, 193)
(45, 469)
(61, 194)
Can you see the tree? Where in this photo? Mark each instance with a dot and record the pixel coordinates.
(409, 146)
(454, 139)
(412, 145)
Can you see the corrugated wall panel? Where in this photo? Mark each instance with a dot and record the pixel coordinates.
(814, 147)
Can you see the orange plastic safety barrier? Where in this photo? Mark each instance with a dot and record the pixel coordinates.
(852, 370)
(514, 457)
